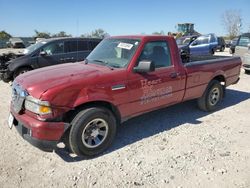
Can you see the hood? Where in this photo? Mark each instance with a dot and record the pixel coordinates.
(38, 81)
(13, 59)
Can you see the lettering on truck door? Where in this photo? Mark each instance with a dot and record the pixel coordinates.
(160, 87)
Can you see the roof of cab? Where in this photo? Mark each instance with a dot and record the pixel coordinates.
(142, 36)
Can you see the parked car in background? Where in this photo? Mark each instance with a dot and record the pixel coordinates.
(183, 45)
(48, 52)
(204, 45)
(242, 49)
(221, 44)
(15, 42)
(232, 45)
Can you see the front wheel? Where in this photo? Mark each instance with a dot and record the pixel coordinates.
(222, 49)
(92, 131)
(211, 97)
(212, 51)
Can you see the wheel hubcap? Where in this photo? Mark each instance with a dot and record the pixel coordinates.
(95, 133)
(214, 96)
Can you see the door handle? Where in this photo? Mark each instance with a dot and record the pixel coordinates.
(174, 74)
(69, 59)
(62, 59)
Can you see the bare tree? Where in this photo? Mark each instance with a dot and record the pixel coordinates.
(232, 22)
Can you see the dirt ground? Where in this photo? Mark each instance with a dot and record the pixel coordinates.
(179, 146)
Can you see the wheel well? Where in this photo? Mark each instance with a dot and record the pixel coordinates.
(221, 79)
(71, 114)
(22, 67)
(27, 66)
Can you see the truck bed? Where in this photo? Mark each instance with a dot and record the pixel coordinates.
(207, 58)
(202, 69)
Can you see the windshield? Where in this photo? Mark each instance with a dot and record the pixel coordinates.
(114, 52)
(33, 47)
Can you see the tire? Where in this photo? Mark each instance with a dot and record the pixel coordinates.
(222, 48)
(211, 97)
(21, 71)
(66, 141)
(212, 52)
(92, 131)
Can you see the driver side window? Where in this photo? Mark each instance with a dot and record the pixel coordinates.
(157, 52)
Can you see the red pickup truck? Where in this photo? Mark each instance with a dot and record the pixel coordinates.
(82, 104)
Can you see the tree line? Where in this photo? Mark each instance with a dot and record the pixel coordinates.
(98, 33)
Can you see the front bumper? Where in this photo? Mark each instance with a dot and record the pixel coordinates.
(43, 135)
(44, 145)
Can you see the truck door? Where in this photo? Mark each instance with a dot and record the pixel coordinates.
(52, 54)
(162, 87)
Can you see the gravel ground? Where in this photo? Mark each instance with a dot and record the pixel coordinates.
(179, 146)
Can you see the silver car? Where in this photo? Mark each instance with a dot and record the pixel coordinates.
(242, 49)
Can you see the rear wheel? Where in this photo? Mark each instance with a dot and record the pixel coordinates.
(92, 131)
(212, 51)
(211, 97)
(222, 48)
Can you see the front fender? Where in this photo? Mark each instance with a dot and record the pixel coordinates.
(86, 96)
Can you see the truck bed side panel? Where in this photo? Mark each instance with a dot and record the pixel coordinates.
(200, 73)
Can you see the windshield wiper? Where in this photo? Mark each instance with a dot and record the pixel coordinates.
(106, 63)
(100, 61)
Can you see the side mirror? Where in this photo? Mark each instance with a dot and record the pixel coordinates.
(144, 66)
(248, 45)
(43, 53)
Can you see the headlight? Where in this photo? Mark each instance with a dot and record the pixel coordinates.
(37, 106)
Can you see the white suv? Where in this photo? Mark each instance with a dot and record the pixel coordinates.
(242, 49)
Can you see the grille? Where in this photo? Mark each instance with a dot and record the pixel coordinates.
(18, 97)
